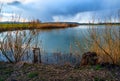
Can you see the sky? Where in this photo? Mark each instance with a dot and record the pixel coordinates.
(82, 11)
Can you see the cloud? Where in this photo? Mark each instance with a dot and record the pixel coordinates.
(14, 3)
(47, 10)
(90, 16)
(12, 17)
(8, 1)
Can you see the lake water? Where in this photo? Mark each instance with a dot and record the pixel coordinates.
(59, 45)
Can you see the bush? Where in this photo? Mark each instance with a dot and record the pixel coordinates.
(104, 41)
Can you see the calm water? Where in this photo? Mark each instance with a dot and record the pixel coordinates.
(57, 42)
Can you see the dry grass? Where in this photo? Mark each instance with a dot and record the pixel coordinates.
(105, 42)
(107, 45)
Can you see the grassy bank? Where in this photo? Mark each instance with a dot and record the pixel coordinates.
(35, 25)
(9, 27)
(41, 72)
(32, 25)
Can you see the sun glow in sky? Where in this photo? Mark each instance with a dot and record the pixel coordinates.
(60, 10)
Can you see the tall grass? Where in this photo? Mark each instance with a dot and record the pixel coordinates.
(105, 41)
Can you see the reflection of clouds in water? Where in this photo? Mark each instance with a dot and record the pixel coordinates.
(82, 27)
(2, 36)
(60, 40)
(15, 36)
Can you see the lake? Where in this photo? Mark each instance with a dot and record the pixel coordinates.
(58, 45)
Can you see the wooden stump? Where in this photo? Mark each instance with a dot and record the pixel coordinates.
(36, 55)
(89, 58)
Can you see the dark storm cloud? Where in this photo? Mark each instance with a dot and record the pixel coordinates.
(73, 7)
(46, 9)
(15, 3)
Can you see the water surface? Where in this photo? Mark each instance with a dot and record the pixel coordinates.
(57, 44)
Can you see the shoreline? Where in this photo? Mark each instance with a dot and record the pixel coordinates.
(41, 72)
(29, 26)
(54, 25)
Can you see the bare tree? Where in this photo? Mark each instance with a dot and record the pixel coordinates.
(17, 44)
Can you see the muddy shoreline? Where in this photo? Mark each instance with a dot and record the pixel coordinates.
(42, 72)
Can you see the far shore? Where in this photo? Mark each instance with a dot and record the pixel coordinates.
(11, 26)
(34, 25)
